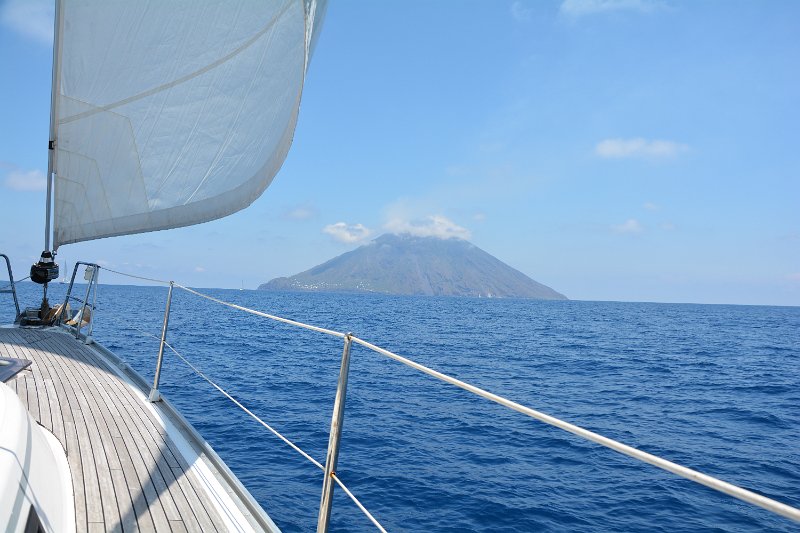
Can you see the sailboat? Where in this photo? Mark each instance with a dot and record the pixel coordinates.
(183, 118)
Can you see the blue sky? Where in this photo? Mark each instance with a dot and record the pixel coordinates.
(612, 149)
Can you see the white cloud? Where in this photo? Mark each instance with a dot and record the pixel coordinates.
(431, 226)
(650, 206)
(31, 18)
(577, 8)
(480, 217)
(668, 226)
(347, 233)
(31, 180)
(629, 226)
(199, 269)
(638, 147)
(520, 12)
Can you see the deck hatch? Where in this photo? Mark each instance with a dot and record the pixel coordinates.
(9, 367)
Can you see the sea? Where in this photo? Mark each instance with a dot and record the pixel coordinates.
(713, 387)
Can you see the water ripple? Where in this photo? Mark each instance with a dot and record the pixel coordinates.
(714, 387)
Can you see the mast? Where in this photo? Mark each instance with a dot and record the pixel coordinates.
(55, 91)
(46, 269)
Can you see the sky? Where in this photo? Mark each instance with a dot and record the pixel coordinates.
(629, 150)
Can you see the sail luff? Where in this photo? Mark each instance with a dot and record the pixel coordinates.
(55, 91)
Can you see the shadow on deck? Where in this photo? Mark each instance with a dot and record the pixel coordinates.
(131, 467)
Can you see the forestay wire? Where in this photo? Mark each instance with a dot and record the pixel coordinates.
(740, 493)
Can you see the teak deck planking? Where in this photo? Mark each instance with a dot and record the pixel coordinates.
(127, 474)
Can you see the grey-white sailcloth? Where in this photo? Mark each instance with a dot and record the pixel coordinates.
(174, 113)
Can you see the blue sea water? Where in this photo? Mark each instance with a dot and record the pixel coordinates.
(713, 387)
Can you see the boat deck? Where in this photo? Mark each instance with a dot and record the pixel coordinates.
(128, 473)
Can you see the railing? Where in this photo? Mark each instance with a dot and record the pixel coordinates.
(13, 289)
(86, 312)
(337, 419)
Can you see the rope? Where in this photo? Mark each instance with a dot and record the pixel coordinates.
(168, 345)
(265, 315)
(143, 332)
(15, 282)
(134, 276)
(693, 475)
(284, 439)
(85, 304)
(358, 503)
(274, 431)
(246, 410)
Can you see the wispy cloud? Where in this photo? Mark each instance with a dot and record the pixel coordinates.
(668, 226)
(431, 226)
(578, 8)
(630, 226)
(794, 277)
(31, 18)
(26, 180)
(347, 233)
(520, 12)
(199, 269)
(300, 212)
(638, 147)
(650, 206)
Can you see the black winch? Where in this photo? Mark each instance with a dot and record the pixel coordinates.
(46, 270)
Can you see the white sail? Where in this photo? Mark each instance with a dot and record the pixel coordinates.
(175, 112)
